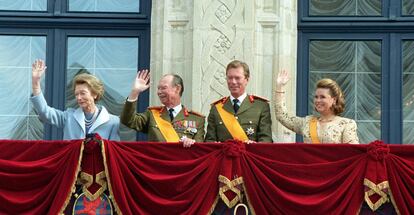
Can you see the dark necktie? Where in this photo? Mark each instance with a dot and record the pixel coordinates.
(236, 105)
(171, 114)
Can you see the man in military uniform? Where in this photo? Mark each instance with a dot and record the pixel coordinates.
(171, 122)
(239, 116)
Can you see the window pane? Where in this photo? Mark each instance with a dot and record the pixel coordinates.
(408, 91)
(127, 6)
(356, 67)
(408, 7)
(18, 119)
(114, 61)
(345, 8)
(25, 5)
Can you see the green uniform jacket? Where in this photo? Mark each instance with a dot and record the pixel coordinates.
(253, 116)
(186, 123)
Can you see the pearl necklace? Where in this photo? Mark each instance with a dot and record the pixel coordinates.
(89, 122)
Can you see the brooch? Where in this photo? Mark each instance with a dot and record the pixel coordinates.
(191, 130)
(250, 131)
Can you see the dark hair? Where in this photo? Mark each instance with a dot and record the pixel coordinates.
(236, 64)
(335, 91)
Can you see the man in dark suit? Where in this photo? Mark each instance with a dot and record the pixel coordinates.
(239, 116)
(171, 122)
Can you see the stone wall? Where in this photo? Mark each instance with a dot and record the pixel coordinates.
(197, 39)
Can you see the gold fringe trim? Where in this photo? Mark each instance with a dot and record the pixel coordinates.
(213, 206)
(393, 202)
(85, 179)
(230, 185)
(73, 187)
(248, 200)
(111, 194)
(88, 178)
(100, 178)
(376, 189)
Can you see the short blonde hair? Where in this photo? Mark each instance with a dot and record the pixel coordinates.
(335, 91)
(94, 84)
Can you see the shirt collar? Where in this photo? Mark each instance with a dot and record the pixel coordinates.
(241, 98)
(177, 109)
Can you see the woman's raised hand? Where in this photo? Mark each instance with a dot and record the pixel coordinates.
(282, 78)
(38, 68)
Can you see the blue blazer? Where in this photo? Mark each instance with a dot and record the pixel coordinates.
(73, 120)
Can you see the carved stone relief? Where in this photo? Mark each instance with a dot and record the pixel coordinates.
(197, 39)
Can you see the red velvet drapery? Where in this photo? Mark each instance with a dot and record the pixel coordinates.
(163, 178)
(278, 179)
(37, 176)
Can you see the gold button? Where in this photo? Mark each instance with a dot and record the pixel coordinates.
(237, 117)
(220, 123)
(250, 122)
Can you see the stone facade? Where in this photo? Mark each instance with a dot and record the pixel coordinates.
(197, 39)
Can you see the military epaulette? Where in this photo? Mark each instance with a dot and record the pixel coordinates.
(222, 100)
(196, 113)
(155, 107)
(253, 97)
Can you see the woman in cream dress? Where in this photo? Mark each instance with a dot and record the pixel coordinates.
(328, 127)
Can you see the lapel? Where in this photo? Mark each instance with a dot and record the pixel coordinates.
(180, 115)
(245, 105)
(80, 118)
(103, 117)
(165, 115)
(229, 107)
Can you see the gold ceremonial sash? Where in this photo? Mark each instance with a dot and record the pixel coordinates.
(231, 123)
(313, 123)
(165, 127)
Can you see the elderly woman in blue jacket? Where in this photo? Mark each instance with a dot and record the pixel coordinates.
(87, 118)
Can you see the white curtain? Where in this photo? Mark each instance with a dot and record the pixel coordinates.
(131, 6)
(114, 61)
(408, 92)
(29, 5)
(345, 7)
(17, 118)
(408, 7)
(356, 67)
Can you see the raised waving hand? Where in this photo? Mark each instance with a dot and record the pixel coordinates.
(38, 69)
(141, 83)
(282, 78)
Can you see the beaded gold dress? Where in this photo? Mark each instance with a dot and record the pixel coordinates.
(338, 130)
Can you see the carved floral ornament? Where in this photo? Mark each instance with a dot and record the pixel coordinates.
(223, 13)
